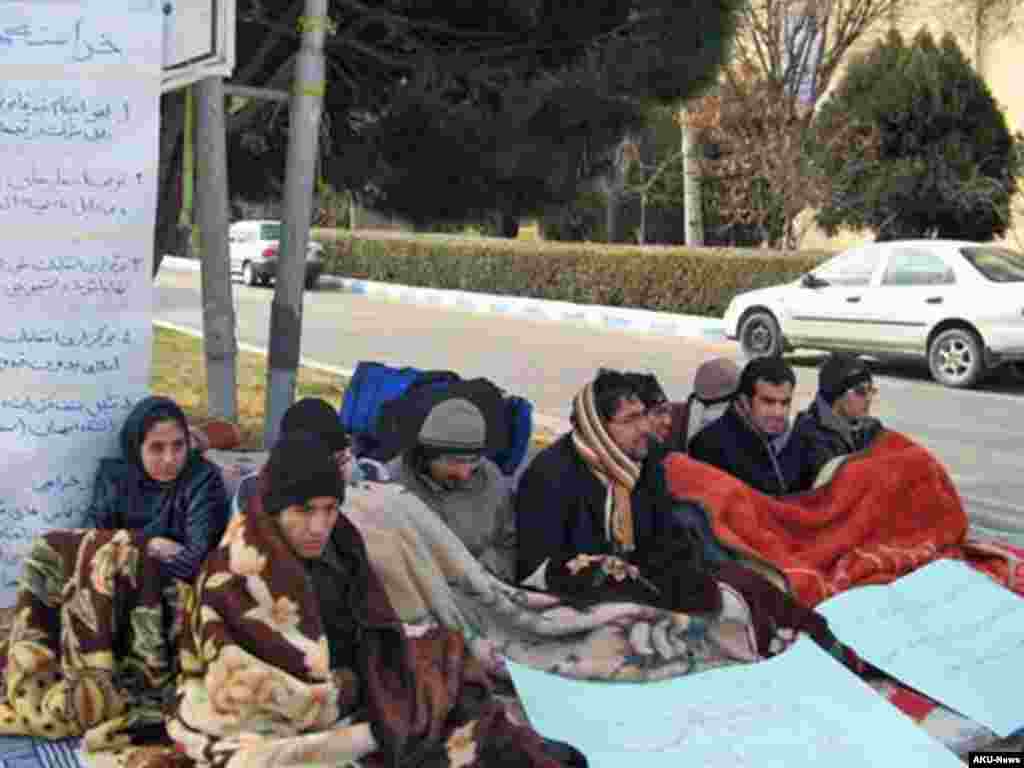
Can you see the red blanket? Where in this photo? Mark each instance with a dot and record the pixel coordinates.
(884, 513)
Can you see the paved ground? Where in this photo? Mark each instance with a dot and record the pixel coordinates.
(978, 434)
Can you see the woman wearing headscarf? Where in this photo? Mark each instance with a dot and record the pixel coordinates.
(293, 654)
(163, 488)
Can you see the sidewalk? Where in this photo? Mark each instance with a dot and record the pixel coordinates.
(616, 318)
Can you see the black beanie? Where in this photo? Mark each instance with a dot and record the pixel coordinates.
(840, 373)
(301, 467)
(316, 416)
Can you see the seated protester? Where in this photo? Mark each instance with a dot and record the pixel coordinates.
(714, 385)
(298, 634)
(753, 440)
(838, 422)
(661, 413)
(446, 470)
(594, 504)
(316, 417)
(163, 488)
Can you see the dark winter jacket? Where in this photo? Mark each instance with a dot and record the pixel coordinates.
(560, 508)
(826, 435)
(732, 444)
(192, 510)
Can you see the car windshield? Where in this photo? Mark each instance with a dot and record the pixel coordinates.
(271, 231)
(1000, 265)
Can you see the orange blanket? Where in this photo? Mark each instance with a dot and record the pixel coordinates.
(885, 512)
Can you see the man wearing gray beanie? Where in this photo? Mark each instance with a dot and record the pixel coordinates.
(447, 470)
(839, 420)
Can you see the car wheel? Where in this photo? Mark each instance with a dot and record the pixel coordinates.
(955, 358)
(760, 335)
(311, 283)
(249, 274)
(265, 281)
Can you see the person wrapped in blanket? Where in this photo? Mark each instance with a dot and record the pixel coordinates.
(445, 467)
(839, 421)
(595, 522)
(162, 487)
(293, 654)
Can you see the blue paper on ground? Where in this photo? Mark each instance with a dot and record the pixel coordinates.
(947, 630)
(797, 710)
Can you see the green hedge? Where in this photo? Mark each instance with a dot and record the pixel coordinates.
(687, 281)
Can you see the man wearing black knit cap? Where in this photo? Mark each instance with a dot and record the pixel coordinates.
(838, 422)
(317, 417)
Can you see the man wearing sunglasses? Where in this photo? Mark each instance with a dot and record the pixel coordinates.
(839, 420)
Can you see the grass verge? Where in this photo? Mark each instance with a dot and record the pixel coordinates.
(179, 372)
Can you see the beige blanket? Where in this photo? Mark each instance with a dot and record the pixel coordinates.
(430, 576)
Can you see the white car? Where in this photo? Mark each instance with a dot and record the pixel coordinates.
(959, 305)
(253, 246)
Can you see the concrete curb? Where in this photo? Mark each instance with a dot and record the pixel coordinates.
(614, 318)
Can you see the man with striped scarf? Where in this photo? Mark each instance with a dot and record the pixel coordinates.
(593, 513)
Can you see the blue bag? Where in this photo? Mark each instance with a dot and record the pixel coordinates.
(372, 385)
(519, 418)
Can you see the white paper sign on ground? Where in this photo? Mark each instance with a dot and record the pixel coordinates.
(947, 630)
(79, 123)
(801, 709)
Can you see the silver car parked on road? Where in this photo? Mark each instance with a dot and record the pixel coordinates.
(253, 247)
(959, 305)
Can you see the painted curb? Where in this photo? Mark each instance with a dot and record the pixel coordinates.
(612, 318)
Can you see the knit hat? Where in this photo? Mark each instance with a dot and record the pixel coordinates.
(716, 380)
(454, 426)
(317, 417)
(300, 468)
(839, 374)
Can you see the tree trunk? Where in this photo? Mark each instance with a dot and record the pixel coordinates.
(219, 343)
(693, 209)
(611, 210)
(172, 126)
(304, 130)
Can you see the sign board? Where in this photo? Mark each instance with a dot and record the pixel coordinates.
(79, 128)
(199, 40)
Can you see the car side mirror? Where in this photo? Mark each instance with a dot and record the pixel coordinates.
(809, 280)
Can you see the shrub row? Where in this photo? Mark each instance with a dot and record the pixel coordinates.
(686, 281)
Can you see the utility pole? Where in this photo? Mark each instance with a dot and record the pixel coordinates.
(219, 343)
(304, 127)
(692, 198)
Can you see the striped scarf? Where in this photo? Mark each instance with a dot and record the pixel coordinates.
(616, 471)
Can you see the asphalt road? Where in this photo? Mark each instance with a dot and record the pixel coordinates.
(979, 434)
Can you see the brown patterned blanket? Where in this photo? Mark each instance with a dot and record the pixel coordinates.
(256, 686)
(88, 650)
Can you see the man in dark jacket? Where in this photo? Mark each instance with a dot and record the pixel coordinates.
(593, 509)
(839, 420)
(753, 440)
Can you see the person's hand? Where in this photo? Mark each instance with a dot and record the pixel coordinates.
(163, 548)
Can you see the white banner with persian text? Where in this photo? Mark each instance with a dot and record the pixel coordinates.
(79, 124)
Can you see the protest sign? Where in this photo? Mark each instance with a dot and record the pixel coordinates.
(79, 123)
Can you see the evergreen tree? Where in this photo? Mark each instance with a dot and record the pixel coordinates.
(945, 163)
(446, 111)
